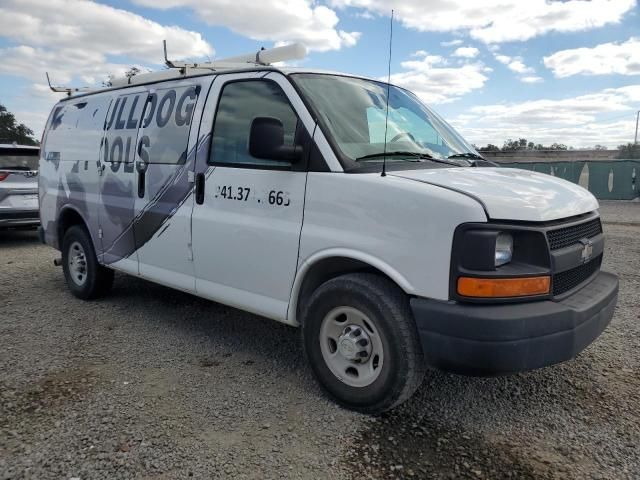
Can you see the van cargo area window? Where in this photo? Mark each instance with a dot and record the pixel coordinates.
(121, 130)
(164, 133)
(241, 102)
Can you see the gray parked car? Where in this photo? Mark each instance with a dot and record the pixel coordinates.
(19, 186)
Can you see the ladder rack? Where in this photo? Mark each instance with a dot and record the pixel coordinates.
(67, 90)
(177, 69)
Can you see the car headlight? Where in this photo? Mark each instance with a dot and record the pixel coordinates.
(504, 249)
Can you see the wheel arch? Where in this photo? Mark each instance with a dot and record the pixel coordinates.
(328, 264)
(68, 217)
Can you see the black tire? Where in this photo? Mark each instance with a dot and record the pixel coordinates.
(97, 280)
(387, 306)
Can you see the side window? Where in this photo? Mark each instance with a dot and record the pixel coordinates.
(121, 129)
(241, 102)
(165, 125)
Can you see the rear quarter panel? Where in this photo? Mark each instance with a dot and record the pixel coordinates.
(69, 162)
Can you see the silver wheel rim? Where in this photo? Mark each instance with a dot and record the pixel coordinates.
(351, 346)
(77, 263)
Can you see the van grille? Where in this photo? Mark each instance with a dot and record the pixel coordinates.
(570, 279)
(567, 236)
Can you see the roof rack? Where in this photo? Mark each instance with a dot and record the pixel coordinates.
(263, 57)
(293, 51)
(176, 69)
(67, 90)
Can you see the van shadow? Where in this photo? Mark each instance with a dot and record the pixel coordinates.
(227, 331)
(218, 332)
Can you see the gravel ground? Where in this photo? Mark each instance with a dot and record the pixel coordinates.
(151, 383)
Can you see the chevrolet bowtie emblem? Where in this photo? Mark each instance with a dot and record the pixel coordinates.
(587, 250)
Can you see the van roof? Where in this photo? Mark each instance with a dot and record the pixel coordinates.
(189, 72)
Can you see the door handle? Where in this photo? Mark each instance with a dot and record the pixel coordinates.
(200, 188)
(142, 174)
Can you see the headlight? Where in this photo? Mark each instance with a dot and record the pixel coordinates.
(504, 249)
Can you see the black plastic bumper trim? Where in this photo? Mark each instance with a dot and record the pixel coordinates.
(502, 339)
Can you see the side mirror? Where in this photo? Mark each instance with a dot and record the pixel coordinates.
(266, 141)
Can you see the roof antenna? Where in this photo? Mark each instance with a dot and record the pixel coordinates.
(386, 120)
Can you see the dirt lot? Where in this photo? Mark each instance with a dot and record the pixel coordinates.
(151, 383)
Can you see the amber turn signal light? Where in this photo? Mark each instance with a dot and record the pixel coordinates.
(503, 287)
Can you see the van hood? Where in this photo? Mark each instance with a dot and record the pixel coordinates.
(510, 193)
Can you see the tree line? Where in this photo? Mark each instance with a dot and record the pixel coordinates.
(12, 131)
(629, 150)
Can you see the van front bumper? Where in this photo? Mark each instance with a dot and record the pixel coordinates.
(485, 339)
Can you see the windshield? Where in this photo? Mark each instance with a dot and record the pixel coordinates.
(13, 161)
(353, 111)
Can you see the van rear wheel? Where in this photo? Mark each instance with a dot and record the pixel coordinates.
(85, 277)
(362, 343)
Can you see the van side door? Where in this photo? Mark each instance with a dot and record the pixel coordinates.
(117, 180)
(165, 161)
(248, 212)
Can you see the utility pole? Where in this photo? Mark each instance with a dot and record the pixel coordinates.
(635, 142)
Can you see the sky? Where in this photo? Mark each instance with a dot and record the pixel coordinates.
(549, 71)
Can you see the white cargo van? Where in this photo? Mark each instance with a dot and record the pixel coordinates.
(263, 188)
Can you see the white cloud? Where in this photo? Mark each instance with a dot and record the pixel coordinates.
(496, 21)
(525, 73)
(531, 79)
(605, 117)
(426, 61)
(72, 40)
(94, 28)
(270, 20)
(366, 15)
(466, 52)
(63, 65)
(452, 43)
(349, 39)
(435, 83)
(519, 67)
(515, 64)
(606, 58)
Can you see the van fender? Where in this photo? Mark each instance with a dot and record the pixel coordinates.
(349, 253)
(63, 211)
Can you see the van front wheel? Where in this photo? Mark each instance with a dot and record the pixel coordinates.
(85, 277)
(361, 342)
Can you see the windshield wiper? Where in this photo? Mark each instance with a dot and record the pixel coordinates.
(475, 160)
(416, 157)
(397, 153)
(466, 155)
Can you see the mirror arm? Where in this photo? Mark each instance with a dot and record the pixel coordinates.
(291, 153)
